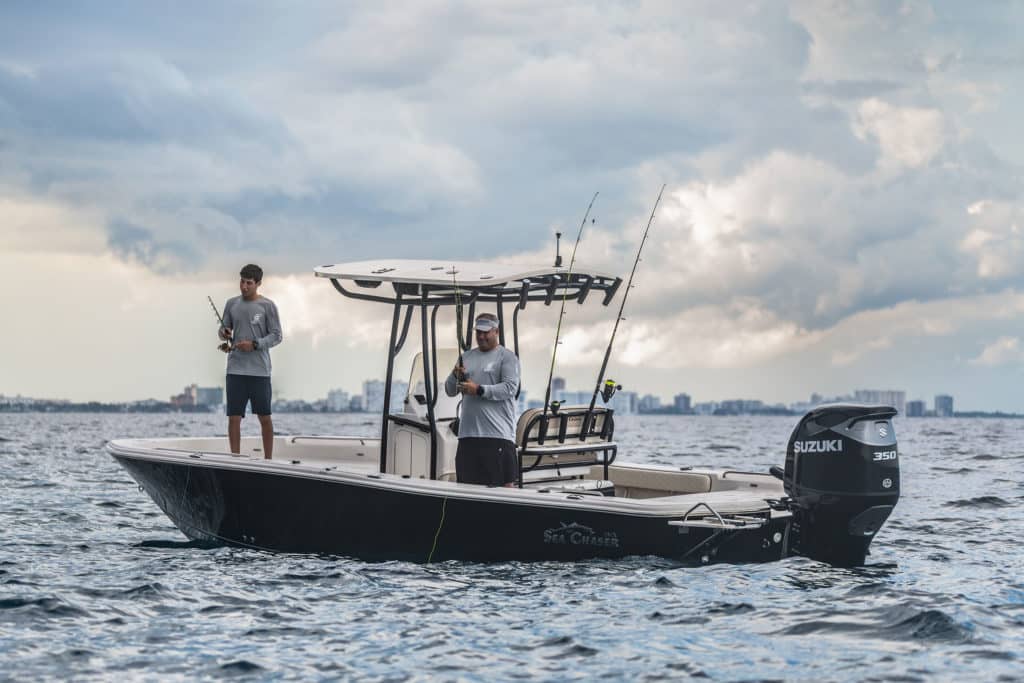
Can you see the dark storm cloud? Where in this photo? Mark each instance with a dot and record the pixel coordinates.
(129, 100)
(138, 244)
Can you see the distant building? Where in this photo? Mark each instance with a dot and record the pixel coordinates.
(186, 398)
(209, 396)
(373, 395)
(339, 401)
(521, 403)
(706, 408)
(681, 403)
(623, 403)
(356, 404)
(557, 384)
(649, 404)
(916, 408)
(896, 399)
(572, 398)
(739, 407)
(943, 406)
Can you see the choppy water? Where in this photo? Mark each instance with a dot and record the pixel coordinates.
(96, 583)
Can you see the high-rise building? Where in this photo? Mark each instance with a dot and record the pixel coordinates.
(896, 399)
(681, 402)
(572, 398)
(649, 404)
(338, 401)
(706, 408)
(915, 408)
(623, 403)
(522, 403)
(373, 395)
(557, 384)
(209, 396)
(943, 406)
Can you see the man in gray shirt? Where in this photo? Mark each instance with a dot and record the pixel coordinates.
(488, 379)
(251, 327)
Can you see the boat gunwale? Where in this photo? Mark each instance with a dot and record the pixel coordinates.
(658, 507)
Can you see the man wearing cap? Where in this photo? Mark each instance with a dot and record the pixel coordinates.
(488, 380)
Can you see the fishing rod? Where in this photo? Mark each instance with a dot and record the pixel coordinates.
(225, 347)
(458, 322)
(555, 405)
(610, 386)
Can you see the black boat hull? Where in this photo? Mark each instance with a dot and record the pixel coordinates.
(307, 515)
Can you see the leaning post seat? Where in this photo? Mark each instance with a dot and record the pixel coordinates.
(558, 440)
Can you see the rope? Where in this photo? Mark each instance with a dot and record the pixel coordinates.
(437, 534)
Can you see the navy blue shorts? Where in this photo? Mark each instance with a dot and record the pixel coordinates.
(480, 460)
(244, 389)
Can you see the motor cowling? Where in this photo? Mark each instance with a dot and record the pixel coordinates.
(842, 475)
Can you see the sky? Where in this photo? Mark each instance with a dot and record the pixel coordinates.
(844, 206)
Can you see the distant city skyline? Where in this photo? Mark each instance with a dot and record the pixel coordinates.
(371, 400)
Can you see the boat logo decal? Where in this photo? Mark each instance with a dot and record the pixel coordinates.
(827, 446)
(882, 431)
(577, 534)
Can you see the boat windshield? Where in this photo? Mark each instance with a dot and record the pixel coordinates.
(445, 406)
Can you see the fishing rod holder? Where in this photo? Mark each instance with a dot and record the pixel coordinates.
(553, 441)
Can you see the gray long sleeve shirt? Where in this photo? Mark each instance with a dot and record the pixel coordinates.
(252, 321)
(492, 415)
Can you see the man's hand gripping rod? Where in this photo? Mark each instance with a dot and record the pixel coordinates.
(225, 347)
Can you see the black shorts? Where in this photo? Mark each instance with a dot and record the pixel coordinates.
(243, 389)
(493, 462)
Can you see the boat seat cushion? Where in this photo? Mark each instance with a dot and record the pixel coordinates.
(669, 480)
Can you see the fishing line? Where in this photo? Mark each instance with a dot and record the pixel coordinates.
(561, 315)
(608, 352)
(437, 534)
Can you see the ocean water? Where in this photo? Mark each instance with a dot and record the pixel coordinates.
(95, 583)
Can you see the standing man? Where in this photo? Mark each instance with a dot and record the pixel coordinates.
(488, 380)
(251, 327)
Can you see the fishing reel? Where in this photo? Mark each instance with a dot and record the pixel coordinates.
(609, 389)
(555, 405)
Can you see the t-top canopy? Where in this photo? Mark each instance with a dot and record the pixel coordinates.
(440, 282)
(421, 272)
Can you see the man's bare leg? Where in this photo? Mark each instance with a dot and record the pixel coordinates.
(235, 433)
(267, 430)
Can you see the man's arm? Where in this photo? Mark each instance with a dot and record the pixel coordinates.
(229, 323)
(506, 388)
(451, 384)
(274, 335)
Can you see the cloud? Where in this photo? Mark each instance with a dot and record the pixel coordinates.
(908, 137)
(840, 176)
(134, 243)
(1003, 351)
(995, 240)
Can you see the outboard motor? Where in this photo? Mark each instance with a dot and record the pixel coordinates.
(843, 478)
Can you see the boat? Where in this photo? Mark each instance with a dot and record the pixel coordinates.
(395, 497)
